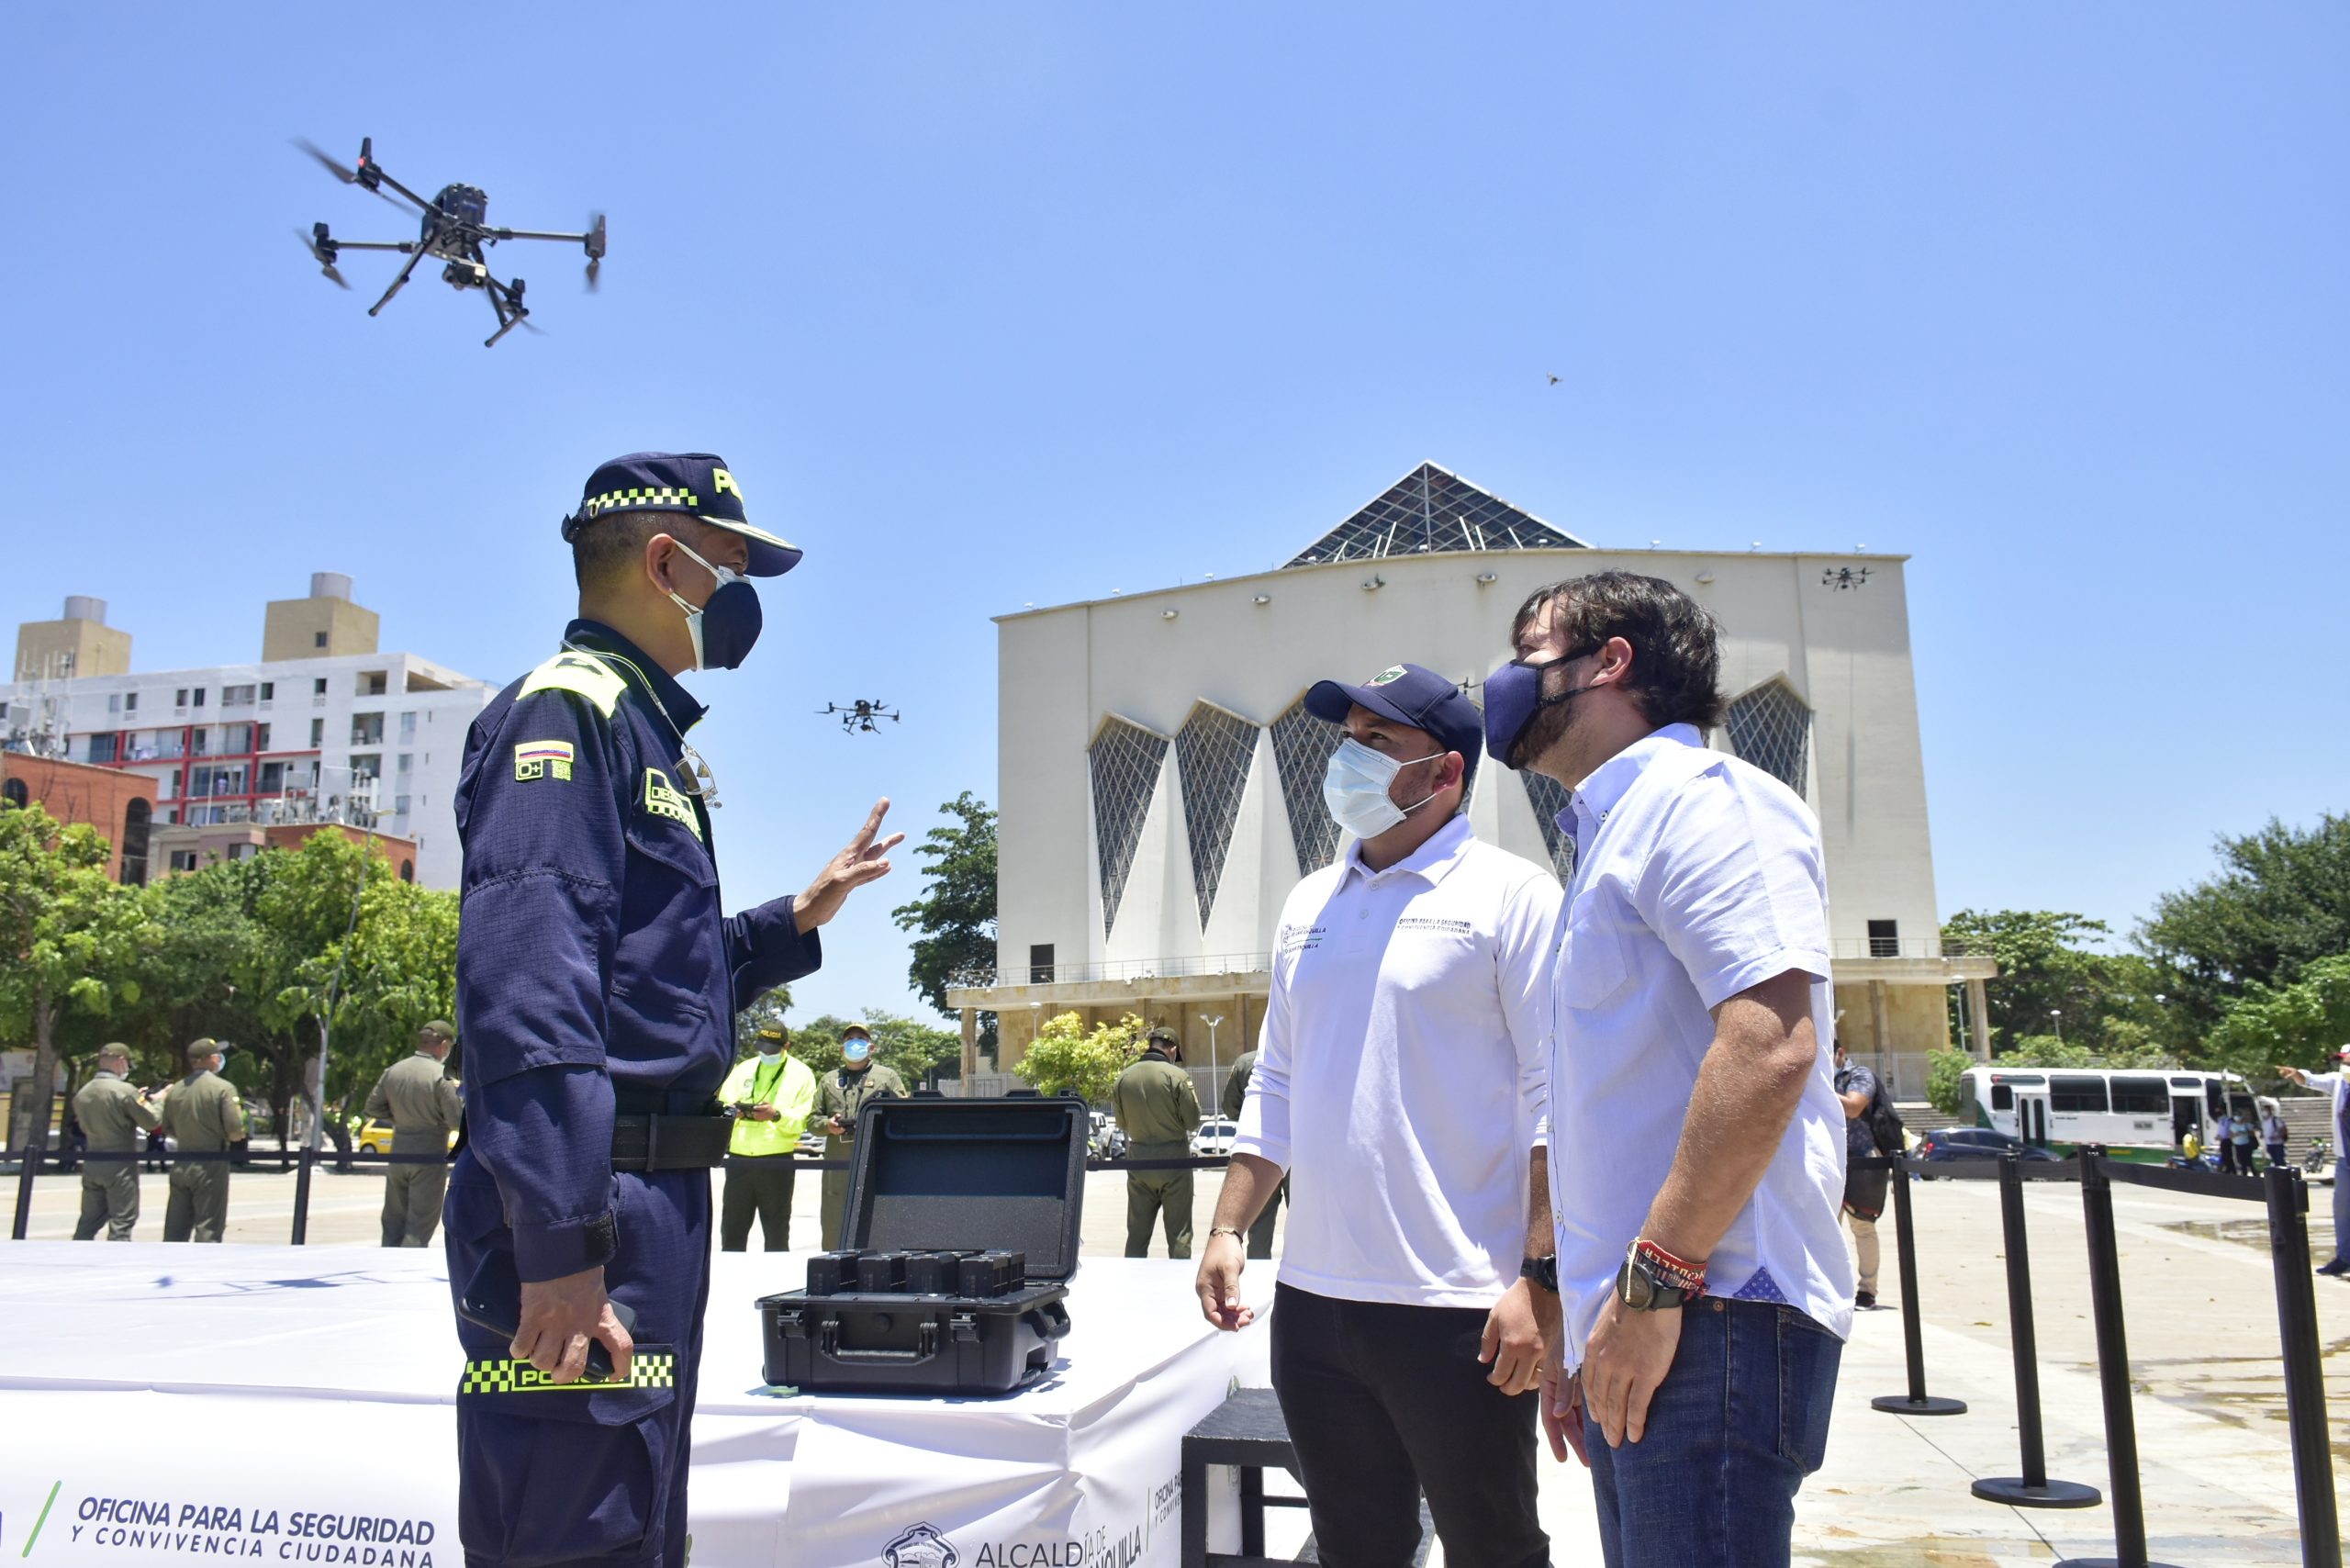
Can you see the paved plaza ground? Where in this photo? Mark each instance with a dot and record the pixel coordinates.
(2203, 1342)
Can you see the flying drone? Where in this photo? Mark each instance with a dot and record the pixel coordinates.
(454, 232)
(860, 717)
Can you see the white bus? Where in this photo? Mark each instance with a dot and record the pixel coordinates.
(2142, 1113)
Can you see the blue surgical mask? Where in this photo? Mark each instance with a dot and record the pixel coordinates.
(1355, 787)
(725, 625)
(857, 1050)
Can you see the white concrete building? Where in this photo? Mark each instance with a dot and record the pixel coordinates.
(281, 739)
(1160, 783)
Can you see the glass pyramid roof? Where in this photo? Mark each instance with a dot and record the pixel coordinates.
(1428, 511)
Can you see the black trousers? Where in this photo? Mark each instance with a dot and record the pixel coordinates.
(1385, 1403)
(762, 1187)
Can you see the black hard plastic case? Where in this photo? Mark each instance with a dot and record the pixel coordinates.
(966, 1213)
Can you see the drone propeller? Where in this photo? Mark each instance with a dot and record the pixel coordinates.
(595, 246)
(320, 256)
(348, 177)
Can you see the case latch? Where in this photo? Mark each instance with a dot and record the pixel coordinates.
(965, 1327)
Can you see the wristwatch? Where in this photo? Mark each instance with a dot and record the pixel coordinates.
(1641, 1286)
(1543, 1272)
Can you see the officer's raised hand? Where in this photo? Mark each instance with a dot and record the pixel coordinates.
(861, 862)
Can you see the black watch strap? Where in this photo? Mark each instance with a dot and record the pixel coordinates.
(1543, 1272)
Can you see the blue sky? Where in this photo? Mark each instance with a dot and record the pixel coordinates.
(994, 305)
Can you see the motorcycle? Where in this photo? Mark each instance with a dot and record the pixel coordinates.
(2319, 1161)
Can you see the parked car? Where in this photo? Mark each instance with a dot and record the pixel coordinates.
(811, 1142)
(1945, 1143)
(1214, 1137)
(375, 1138)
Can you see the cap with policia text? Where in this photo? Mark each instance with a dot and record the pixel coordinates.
(775, 1031)
(1407, 694)
(695, 483)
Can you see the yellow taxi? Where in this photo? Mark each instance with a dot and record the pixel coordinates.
(375, 1138)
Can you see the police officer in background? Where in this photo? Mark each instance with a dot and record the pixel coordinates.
(1158, 1110)
(771, 1093)
(113, 1113)
(841, 1095)
(598, 981)
(202, 1116)
(1236, 1100)
(420, 1100)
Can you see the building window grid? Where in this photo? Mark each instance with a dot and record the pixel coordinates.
(1124, 760)
(1551, 801)
(1771, 727)
(1214, 751)
(1301, 748)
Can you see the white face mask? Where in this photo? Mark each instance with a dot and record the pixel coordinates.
(768, 1053)
(1355, 788)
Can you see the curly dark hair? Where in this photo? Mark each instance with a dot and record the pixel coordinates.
(1676, 642)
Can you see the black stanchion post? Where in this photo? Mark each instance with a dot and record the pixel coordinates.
(31, 1156)
(2112, 1372)
(302, 1198)
(1917, 1402)
(2289, 1248)
(2032, 1489)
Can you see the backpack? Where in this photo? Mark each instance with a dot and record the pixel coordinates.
(1885, 1122)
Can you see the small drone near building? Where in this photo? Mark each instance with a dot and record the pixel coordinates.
(455, 231)
(860, 717)
(1844, 578)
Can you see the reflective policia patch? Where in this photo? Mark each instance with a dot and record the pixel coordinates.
(502, 1375)
(662, 800)
(543, 759)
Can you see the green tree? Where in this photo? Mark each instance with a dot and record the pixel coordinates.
(1067, 1058)
(956, 915)
(70, 939)
(2051, 981)
(906, 1047)
(2301, 1025)
(2280, 902)
(1944, 1070)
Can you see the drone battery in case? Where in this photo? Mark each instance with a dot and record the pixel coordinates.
(959, 1238)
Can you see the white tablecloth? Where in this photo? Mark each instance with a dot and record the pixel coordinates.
(260, 1400)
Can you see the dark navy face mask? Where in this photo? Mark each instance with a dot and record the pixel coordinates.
(1513, 695)
(727, 622)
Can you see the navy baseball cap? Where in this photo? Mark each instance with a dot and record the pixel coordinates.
(696, 483)
(1408, 694)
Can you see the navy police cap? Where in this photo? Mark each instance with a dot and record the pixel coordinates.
(695, 483)
(1408, 694)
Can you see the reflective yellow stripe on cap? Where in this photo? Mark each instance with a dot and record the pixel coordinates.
(503, 1374)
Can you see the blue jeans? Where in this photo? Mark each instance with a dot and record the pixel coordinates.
(1738, 1423)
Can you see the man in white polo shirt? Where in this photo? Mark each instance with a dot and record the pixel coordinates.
(1400, 1081)
(1706, 1288)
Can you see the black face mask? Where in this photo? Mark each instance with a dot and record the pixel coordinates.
(728, 622)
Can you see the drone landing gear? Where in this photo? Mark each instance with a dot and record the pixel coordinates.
(416, 255)
(506, 299)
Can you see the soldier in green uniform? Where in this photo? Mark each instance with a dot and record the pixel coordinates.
(1236, 1095)
(113, 1115)
(1158, 1110)
(201, 1116)
(839, 1097)
(420, 1100)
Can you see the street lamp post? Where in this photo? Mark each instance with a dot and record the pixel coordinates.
(2057, 1015)
(310, 1143)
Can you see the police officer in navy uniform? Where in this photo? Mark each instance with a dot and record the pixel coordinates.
(598, 981)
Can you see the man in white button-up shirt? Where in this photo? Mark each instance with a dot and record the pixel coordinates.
(1399, 1079)
(1705, 1286)
(2336, 1083)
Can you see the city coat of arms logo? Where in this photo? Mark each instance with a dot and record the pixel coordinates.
(921, 1547)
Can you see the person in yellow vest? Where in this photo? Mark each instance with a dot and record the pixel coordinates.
(771, 1096)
